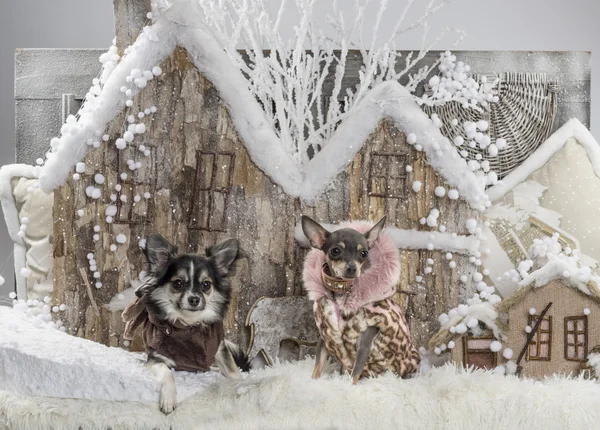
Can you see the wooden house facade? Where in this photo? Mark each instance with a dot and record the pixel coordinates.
(204, 187)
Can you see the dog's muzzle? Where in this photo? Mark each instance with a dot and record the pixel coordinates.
(336, 285)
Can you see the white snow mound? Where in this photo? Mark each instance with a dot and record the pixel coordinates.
(50, 363)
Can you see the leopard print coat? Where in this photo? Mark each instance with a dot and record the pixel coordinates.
(392, 348)
(342, 318)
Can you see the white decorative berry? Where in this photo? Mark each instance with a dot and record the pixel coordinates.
(586, 311)
(471, 225)
(495, 346)
(121, 238)
(532, 311)
(440, 191)
(120, 143)
(128, 136)
(80, 167)
(461, 328)
(99, 178)
(507, 353)
(416, 186)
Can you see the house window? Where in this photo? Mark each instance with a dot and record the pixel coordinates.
(576, 338)
(477, 352)
(540, 347)
(212, 185)
(387, 175)
(131, 205)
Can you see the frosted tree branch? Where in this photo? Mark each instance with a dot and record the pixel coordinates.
(298, 82)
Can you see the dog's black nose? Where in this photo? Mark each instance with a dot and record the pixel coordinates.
(194, 300)
(351, 270)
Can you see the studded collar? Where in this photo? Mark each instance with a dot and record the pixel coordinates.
(336, 285)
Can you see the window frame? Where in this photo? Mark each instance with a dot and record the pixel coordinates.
(389, 193)
(532, 321)
(211, 189)
(576, 333)
(487, 351)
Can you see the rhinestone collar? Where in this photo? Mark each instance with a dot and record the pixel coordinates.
(336, 285)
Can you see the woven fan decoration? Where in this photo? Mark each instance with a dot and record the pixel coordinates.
(524, 116)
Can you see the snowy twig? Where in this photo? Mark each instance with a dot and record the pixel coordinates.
(290, 80)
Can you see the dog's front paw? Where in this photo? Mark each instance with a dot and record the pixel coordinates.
(168, 399)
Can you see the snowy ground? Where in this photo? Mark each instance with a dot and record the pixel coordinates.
(49, 363)
(285, 397)
(37, 365)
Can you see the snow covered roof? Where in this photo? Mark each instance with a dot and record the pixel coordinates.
(386, 100)
(572, 129)
(483, 311)
(413, 239)
(554, 270)
(546, 274)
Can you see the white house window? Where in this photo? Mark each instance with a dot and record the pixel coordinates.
(540, 347)
(576, 338)
(477, 352)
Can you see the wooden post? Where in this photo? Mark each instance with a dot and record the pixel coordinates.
(130, 18)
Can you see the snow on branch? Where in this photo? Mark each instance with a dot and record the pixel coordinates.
(298, 82)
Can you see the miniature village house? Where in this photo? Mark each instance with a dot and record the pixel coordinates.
(569, 330)
(559, 343)
(200, 179)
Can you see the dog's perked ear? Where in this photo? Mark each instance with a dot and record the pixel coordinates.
(316, 234)
(373, 234)
(224, 254)
(159, 251)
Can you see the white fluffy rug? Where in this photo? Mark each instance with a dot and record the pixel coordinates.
(285, 397)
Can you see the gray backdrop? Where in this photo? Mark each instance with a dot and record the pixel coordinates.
(555, 25)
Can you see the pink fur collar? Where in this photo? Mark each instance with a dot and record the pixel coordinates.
(378, 282)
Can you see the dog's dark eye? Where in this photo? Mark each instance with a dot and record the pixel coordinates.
(205, 286)
(178, 284)
(364, 253)
(335, 251)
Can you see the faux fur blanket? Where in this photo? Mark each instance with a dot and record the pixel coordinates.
(285, 397)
